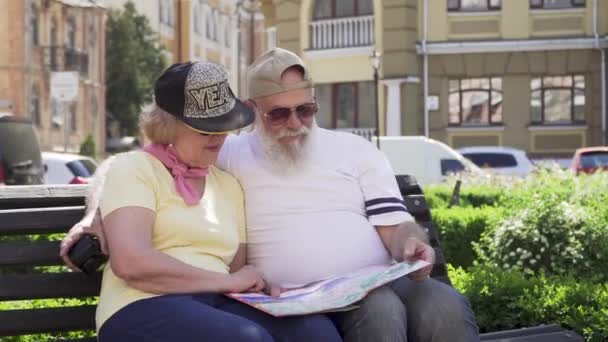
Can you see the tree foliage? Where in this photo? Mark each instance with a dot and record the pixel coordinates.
(134, 60)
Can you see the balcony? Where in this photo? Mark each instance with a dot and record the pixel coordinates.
(59, 58)
(76, 60)
(342, 33)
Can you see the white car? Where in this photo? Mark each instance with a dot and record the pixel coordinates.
(65, 168)
(499, 159)
(429, 161)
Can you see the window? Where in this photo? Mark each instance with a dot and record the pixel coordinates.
(449, 166)
(556, 4)
(70, 33)
(34, 25)
(346, 105)
(196, 17)
(73, 119)
(474, 5)
(94, 110)
(92, 40)
(492, 160)
(82, 167)
(593, 160)
(557, 100)
(475, 101)
(227, 34)
(57, 114)
(35, 107)
(165, 12)
(271, 37)
(212, 25)
(170, 13)
(325, 9)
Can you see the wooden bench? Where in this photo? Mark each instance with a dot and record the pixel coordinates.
(46, 210)
(41, 211)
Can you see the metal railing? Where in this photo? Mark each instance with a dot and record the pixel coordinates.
(366, 132)
(59, 58)
(342, 32)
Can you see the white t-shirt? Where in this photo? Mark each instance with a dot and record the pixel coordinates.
(318, 221)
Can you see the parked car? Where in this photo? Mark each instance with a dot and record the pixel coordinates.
(429, 161)
(20, 160)
(65, 168)
(563, 163)
(590, 159)
(499, 159)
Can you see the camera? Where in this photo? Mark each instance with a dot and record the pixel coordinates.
(86, 254)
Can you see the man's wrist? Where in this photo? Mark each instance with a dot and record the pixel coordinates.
(412, 230)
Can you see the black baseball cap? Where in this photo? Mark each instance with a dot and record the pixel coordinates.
(198, 94)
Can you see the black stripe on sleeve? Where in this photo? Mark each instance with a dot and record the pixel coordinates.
(385, 210)
(383, 200)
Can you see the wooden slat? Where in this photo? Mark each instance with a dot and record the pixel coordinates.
(21, 322)
(37, 196)
(552, 333)
(43, 253)
(39, 221)
(49, 285)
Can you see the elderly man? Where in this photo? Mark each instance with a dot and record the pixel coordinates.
(322, 203)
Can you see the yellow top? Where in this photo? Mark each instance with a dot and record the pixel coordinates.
(206, 235)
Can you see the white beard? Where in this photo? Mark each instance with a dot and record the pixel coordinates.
(286, 157)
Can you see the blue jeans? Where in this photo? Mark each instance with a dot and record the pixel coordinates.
(209, 317)
(406, 310)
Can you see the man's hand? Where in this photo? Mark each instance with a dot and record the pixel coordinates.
(273, 290)
(85, 226)
(408, 242)
(414, 249)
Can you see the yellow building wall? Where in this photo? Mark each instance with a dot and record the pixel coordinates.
(514, 21)
(340, 69)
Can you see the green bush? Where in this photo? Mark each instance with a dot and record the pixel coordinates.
(560, 228)
(508, 299)
(439, 196)
(460, 227)
(87, 148)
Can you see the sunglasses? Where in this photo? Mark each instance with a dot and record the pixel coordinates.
(280, 115)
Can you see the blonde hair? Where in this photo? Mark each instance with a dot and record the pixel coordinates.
(158, 125)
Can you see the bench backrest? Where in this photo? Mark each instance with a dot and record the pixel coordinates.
(32, 221)
(30, 215)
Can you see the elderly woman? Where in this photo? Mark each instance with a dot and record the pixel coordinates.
(175, 231)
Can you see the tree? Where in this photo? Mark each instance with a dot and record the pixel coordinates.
(134, 60)
(87, 148)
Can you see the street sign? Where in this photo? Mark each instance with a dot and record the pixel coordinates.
(64, 85)
(432, 102)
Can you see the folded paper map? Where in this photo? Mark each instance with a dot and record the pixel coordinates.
(334, 294)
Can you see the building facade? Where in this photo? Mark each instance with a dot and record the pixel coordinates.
(228, 32)
(521, 73)
(46, 36)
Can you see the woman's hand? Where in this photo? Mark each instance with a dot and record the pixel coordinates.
(85, 226)
(246, 279)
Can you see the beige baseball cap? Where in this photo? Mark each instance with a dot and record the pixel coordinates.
(264, 75)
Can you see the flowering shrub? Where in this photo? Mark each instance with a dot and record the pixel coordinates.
(546, 236)
(552, 222)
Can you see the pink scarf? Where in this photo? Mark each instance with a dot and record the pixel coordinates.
(181, 172)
